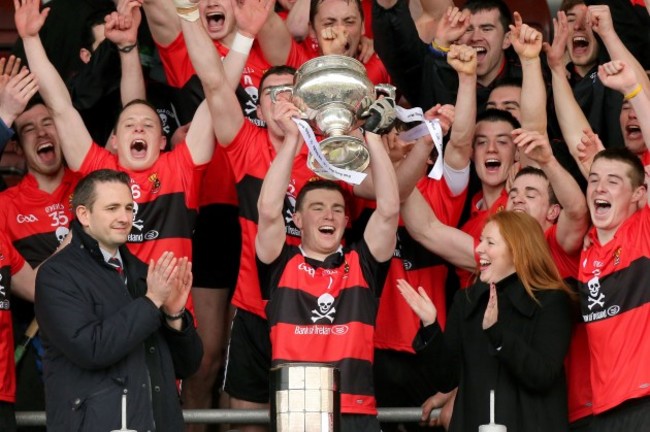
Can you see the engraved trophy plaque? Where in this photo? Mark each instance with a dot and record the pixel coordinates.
(305, 397)
(334, 93)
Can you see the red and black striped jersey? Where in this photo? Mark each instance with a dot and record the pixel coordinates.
(34, 220)
(324, 311)
(614, 281)
(11, 262)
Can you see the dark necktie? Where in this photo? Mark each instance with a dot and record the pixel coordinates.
(115, 262)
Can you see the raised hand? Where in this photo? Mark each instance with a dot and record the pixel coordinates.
(250, 15)
(451, 26)
(492, 310)
(283, 112)
(463, 59)
(180, 288)
(29, 19)
(618, 76)
(161, 278)
(555, 53)
(534, 145)
(445, 115)
(526, 41)
(366, 49)
(334, 40)
(600, 19)
(588, 147)
(418, 301)
(9, 67)
(381, 116)
(15, 95)
(121, 27)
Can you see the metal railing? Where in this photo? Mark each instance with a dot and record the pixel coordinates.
(389, 415)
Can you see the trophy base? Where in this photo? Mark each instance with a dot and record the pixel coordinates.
(345, 152)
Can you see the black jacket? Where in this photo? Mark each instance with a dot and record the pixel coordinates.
(102, 340)
(520, 357)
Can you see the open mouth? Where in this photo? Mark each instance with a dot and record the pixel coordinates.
(633, 131)
(327, 230)
(492, 165)
(580, 44)
(484, 264)
(138, 148)
(481, 52)
(46, 152)
(215, 20)
(601, 206)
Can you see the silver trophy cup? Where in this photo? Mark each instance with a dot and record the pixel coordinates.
(334, 93)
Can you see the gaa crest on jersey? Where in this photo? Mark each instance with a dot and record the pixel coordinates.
(325, 309)
(155, 183)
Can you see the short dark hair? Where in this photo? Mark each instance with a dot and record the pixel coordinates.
(636, 172)
(505, 17)
(507, 82)
(495, 115)
(315, 6)
(315, 185)
(85, 192)
(529, 170)
(274, 70)
(35, 100)
(139, 102)
(568, 4)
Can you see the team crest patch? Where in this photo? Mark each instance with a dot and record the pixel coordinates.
(617, 256)
(155, 182)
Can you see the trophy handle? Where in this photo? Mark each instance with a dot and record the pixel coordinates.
(385, 89)
(280, 89)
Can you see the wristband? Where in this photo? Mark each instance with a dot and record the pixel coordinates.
(187, 10)
(437, 47)
(127, 49)
(634, 92)
(173, 317)
(242, 44)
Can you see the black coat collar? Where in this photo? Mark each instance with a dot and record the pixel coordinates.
(511, 286)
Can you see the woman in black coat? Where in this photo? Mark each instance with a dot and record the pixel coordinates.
(509, 332)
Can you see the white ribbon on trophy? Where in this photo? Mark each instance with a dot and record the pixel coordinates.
(345, 175)
(430, 127)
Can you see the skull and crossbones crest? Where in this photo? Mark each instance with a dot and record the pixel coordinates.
(138, 223)
(595, 296)
(61, 232)
(325, 309)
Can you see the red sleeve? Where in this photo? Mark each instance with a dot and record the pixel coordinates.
(445, 205)
(98, 158)
(8, 252)
(376, 70)
(244, 149)
(297, 55)
(176, 62)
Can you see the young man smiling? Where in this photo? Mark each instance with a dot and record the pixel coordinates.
(614, 299)
(351, 278)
